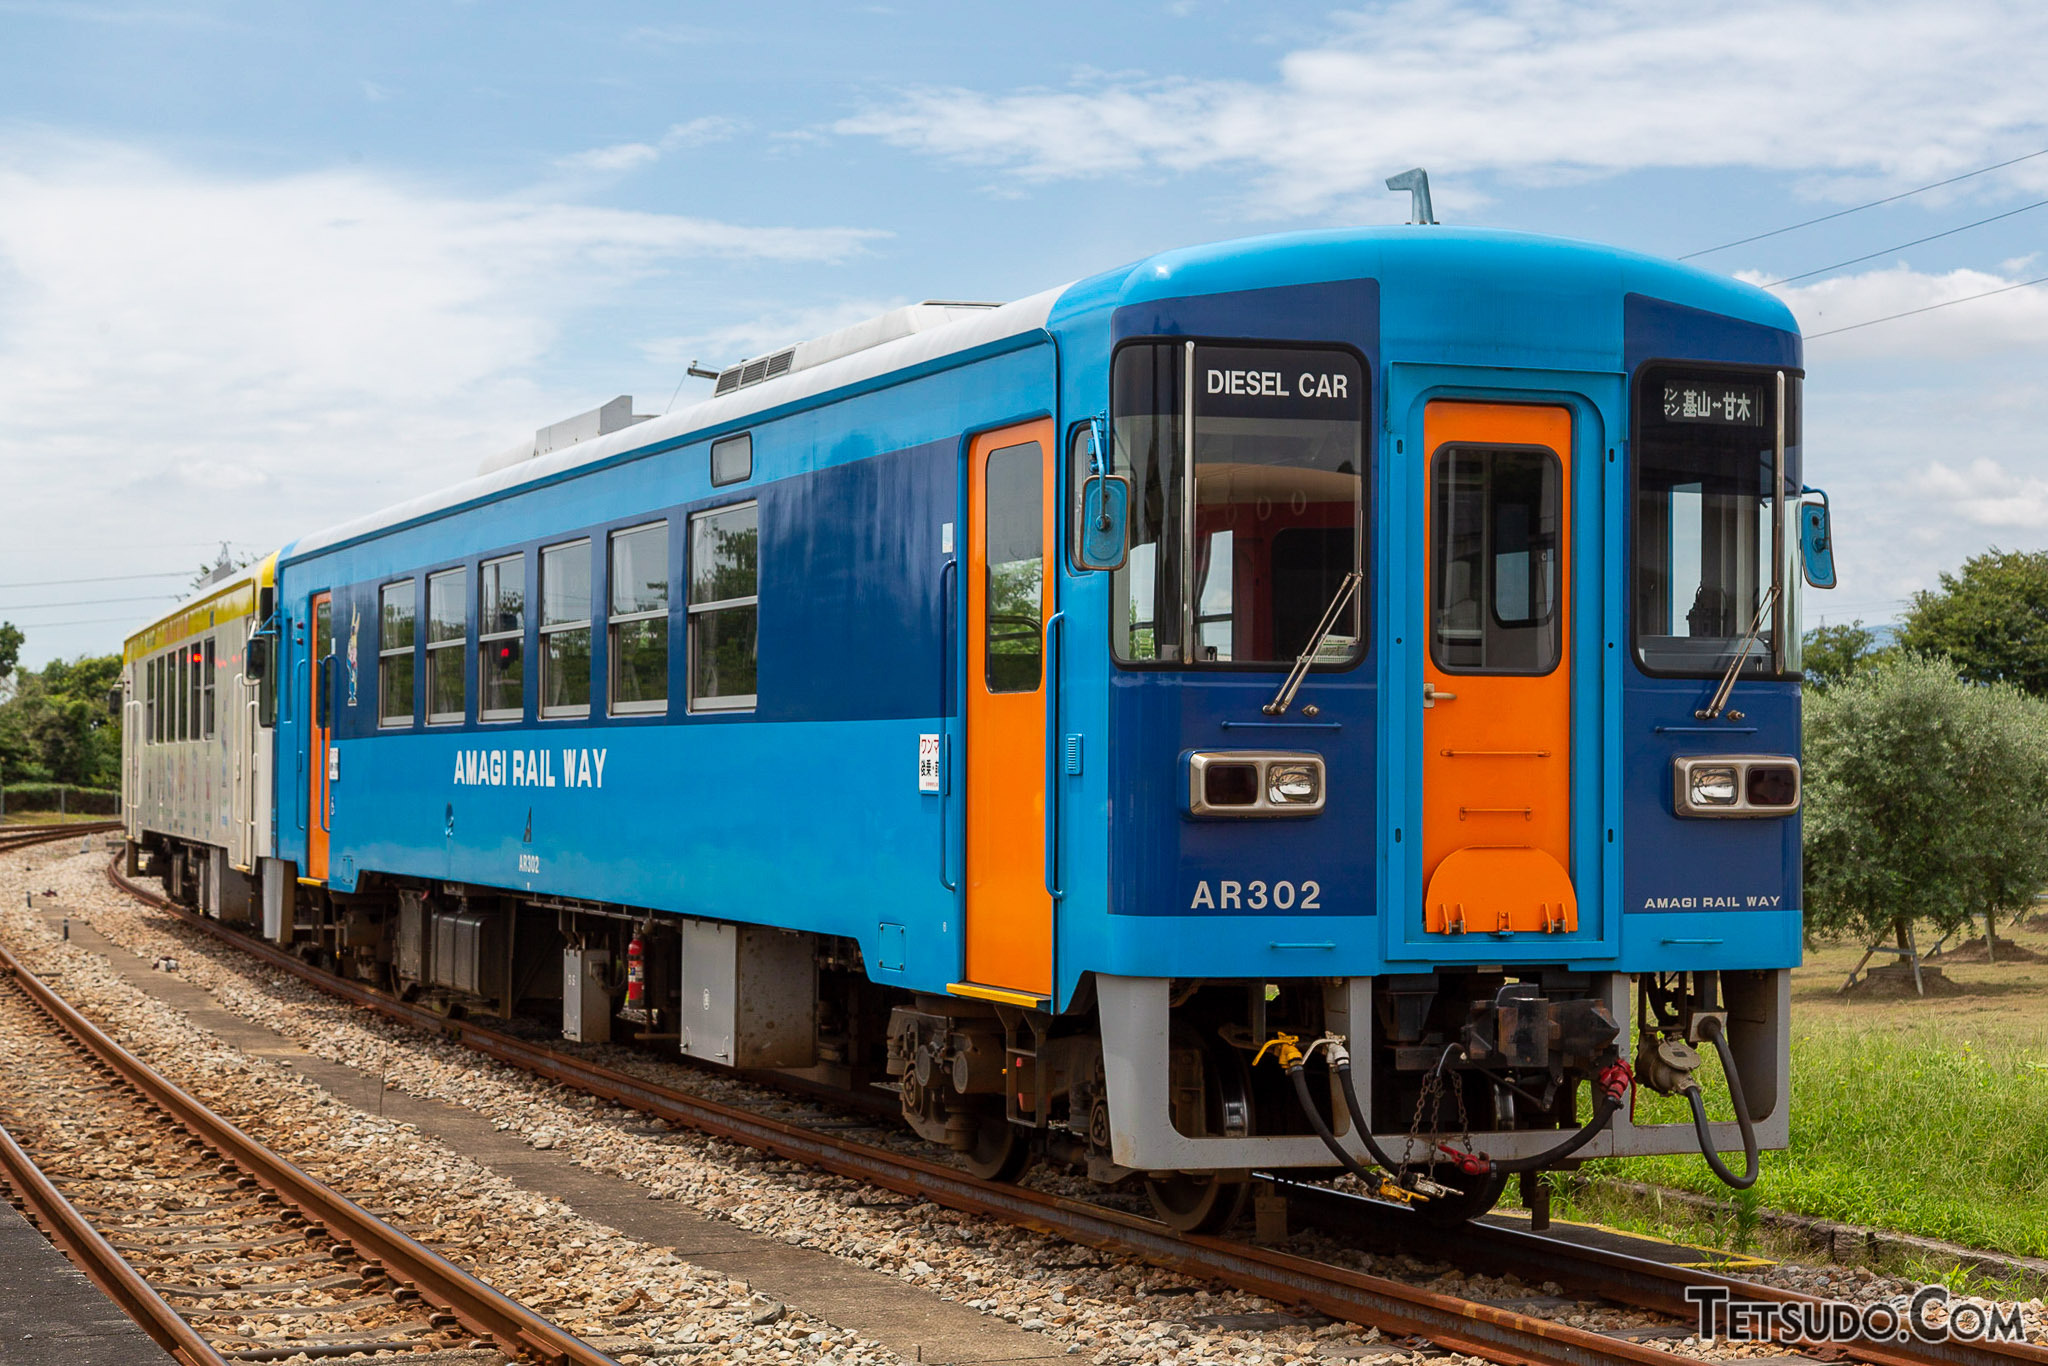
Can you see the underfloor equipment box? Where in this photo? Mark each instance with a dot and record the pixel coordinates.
(750, 995)
(586, 999)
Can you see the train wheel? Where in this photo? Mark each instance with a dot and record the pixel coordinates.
(1198, 1202)
(1208, 1202)
(1475, 1196)
(1001, 1151)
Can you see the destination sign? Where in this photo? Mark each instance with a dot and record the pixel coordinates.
(1719, 403)
(1271, 381)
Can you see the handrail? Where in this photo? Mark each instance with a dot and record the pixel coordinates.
(1055, 631)
(241, 797)
(323, 766)
(948, 572)
(249, 836)
(305, 662)
(1780, 575)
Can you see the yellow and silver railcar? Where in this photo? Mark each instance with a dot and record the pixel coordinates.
(198, 706)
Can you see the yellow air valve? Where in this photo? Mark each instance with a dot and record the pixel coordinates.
(1284, 1051)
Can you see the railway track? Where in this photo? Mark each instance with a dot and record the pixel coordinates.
(1493, 1331)
(222, 1250)
(27, 836)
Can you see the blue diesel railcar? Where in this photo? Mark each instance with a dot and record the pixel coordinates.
(1108, 717)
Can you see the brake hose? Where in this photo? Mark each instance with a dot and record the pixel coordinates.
(1711, 1027)
(1298, 1074)
(1613, 1085)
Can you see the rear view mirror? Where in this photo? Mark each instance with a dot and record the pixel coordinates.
(1817, 542)
(256, 657)
(1105, 510)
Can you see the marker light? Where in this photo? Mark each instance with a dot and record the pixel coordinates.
(1253, 782)
(1751, 785)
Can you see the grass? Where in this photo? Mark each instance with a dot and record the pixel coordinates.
(18, 818)
(1926, 1117)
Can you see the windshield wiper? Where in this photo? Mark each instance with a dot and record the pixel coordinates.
(1720, 700)
(1284, 699)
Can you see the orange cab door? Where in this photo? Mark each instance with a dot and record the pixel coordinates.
(1008, 596)
(1496, 727)
(319, 742)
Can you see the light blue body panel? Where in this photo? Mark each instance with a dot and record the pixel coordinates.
(805, 812)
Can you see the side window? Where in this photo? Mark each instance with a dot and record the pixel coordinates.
(266, 686)
(447, 633)
(724, 607)
(206, 681)
(565, 629)
(184, 693)
(398, 605)
(732, 459)
(501, 639)
(149, 701)
(1015, 521)
(638, 648)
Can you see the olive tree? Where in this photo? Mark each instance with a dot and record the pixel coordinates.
(1926, 796)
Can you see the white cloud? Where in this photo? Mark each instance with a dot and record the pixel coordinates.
(1535, 91)
(623, 156)
(1986, 495)
(186, 358)
(631, 156)
(1967, 315)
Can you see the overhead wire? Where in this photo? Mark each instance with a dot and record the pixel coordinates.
(1859, 208)
(105, 578)
(1931, 237)
(58, 625)
(88, 602)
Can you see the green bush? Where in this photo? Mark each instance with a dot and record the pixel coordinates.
(1925, 797)
(83, 801)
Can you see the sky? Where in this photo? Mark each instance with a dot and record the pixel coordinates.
(268, 266)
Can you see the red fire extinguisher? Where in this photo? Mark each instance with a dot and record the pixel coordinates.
(636, 972)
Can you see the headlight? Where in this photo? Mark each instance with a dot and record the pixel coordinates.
(1754, 785)
(1713, 787)
(1294, 784)
(1249, 782)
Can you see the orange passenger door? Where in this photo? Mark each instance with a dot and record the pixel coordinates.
(1008, 580)
(320, 739)
(1496, 729)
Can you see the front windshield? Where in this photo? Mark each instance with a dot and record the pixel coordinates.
(1278, 459)
(1705, 448)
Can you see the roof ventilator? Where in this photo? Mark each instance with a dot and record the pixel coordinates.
(890, 326)
(614, 416)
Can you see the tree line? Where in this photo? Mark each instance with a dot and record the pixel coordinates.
(1926, 757)
(55, 724)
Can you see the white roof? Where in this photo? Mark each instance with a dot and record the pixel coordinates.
(976, 328)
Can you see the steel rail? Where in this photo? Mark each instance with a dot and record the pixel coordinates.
(1475, 1328)
(1466, 1326)
(28, 836)
(484, 1311)
(1637, 1281)
(75, 1236)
